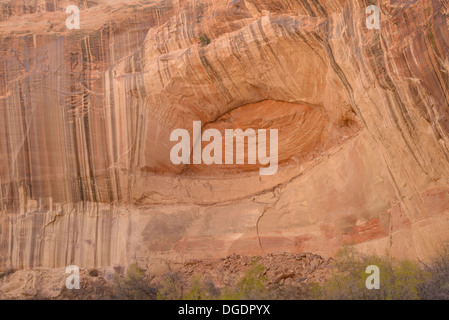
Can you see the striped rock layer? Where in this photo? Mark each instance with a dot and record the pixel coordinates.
(86, 117)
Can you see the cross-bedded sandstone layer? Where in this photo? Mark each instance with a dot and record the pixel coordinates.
(86, 117)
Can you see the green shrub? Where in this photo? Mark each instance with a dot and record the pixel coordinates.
(205, 40)
(135, 285)
(200, 290)
(250, 287)
(436, 286)
(399, 280)
(171, 288)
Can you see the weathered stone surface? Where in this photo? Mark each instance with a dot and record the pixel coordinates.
(86, 117)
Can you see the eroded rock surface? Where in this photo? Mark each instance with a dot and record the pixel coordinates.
(86, 117)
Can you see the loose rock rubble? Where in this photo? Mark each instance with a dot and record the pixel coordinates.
(289, 276)
(281, 269)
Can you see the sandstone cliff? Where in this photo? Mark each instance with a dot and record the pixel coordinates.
(86, 117)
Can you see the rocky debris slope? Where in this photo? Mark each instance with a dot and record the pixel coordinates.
(86, 116)
(286, 276)
(282, 270)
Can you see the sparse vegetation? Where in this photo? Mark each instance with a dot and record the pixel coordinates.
(204, 40)
(436, 286)
(399, 280)
(171, 288)
(251, 287)
(135, 285)
(200, 290)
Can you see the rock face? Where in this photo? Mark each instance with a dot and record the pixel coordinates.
(86, 117)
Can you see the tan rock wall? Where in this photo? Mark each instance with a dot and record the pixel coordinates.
(86, 117)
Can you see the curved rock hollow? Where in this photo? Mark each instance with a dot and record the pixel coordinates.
(86, 117)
